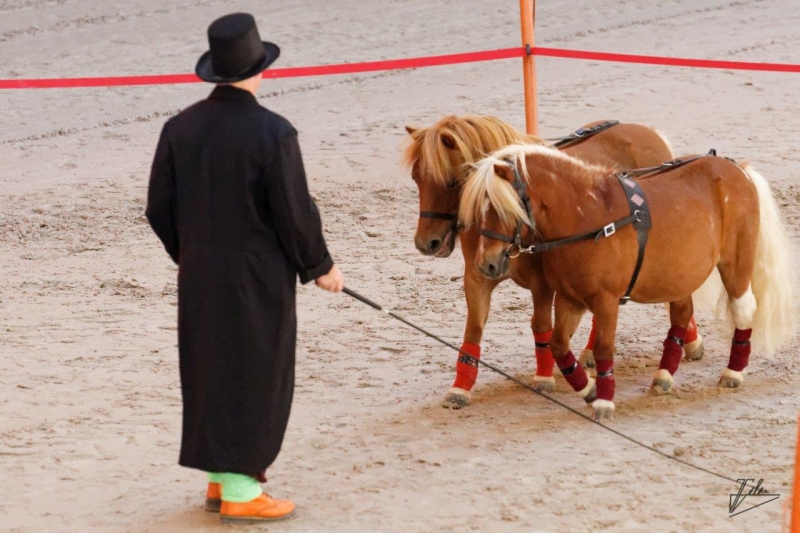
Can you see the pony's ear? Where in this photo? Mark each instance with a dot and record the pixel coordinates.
(504, 172)
(411, 130)
(448, 141)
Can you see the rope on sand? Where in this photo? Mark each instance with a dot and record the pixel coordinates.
(521, 383)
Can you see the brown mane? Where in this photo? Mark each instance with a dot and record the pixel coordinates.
(473, 137)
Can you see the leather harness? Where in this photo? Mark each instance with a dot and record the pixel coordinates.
(639, 217)
(583, 133)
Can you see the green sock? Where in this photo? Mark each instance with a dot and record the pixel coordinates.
(238, 488)
(213, 477)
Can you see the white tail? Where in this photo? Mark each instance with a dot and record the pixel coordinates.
(775, 284)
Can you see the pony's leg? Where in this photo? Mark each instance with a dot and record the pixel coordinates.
(542, 327)
(606, 311)
(736, 275)
(568, 316)
(743, 310)
(694, 349)
(680, 314)
(587, 355)
(478, 290)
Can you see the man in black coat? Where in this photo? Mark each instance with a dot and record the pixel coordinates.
(229, 200)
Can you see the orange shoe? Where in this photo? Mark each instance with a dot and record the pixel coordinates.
(261, 509)
(213, 497)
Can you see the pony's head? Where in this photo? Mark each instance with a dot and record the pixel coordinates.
(490, 201)
(440, 157)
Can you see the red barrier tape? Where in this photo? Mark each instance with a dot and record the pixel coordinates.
(668, 61)
(397, 64)
(293, 72)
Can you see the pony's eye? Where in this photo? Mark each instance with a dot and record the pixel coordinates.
(452, 185)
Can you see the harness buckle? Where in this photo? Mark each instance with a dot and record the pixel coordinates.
(624, 300)
(609, 230)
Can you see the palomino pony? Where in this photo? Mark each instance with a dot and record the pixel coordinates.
(439, 157)
(603, 237)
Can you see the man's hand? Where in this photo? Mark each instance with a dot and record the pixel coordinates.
(333, 281)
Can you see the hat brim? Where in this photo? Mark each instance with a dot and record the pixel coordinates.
(205, 69)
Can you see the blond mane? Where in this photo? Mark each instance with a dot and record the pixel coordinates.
(484, 188)
(473, 137)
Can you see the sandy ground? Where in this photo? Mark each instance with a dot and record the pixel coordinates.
(89, 394)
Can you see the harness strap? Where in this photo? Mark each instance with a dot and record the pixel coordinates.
(606, 231)
(668, 165)
(637, 203)
(582, 133)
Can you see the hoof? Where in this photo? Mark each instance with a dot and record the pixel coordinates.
(662, 383)
(587, 358)
(731, 379)
(544, 383)
(589, 393)
(694, 350)
(456, 398)
(603, 409)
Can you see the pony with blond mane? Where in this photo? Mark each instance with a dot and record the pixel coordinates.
(440, 157)
(693, 229)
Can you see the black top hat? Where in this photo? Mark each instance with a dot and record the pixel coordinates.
(237, 52)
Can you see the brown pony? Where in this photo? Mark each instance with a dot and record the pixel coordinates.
(707, 214)
(440, 157)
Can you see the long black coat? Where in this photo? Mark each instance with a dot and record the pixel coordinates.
(229, 200)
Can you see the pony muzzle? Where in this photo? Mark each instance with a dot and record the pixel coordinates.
(441, 244)
(494, 267)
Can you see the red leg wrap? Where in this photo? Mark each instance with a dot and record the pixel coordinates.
(467, 370)
(740, 350)
(673, 349)
(605, 380)
(592, 337)
(544, 357)
(573, 372)
(691, 331)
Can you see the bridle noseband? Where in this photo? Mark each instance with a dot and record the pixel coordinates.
(440, 216)
(455, 227)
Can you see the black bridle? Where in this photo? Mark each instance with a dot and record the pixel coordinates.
(441, 216)
(639, 216)
(515, 242)
(455, 227)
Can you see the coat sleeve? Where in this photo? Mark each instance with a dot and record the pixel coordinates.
(295, 214)
(162, 197)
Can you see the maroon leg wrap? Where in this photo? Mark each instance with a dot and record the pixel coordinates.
(740, 350)
(605, 380)
(573, 372)
(673, 349)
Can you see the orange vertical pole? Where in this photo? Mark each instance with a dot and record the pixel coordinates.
(527, 12)
(795, 528)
